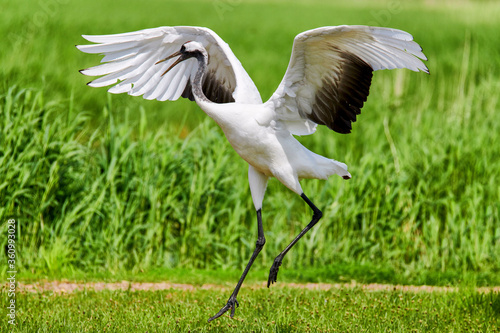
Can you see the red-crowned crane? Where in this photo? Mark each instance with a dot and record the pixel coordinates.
(326, 83)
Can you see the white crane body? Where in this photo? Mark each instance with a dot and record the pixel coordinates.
(266, 144)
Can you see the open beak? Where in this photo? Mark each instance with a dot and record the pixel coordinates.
(180, 59)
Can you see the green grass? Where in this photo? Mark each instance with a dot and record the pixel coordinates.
(261, 310)
(114, 185)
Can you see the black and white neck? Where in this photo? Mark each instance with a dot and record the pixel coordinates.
(197, 79)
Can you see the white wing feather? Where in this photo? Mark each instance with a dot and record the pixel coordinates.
(317, 58)
(129, 63)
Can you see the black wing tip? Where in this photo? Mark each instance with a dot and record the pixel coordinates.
(342, 125)
(342, 131)
(338, 103)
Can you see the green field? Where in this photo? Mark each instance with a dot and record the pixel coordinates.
(115, 187)
(281, 310)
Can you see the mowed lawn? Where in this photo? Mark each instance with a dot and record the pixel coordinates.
(110, 186)
(261, 310)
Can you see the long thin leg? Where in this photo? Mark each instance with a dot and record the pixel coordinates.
(232, 303)
(317, 214)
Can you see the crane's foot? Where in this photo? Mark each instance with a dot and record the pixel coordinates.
(232, 304)
(273, 272)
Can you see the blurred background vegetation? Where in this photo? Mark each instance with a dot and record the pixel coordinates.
(110, 185)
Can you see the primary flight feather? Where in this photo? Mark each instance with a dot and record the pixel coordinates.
(326, 83)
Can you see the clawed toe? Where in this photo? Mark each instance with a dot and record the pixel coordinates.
(232, 304)
(273, 272)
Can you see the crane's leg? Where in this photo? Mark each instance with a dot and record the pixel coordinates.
(317, 214)
(258, 184)
(232, 303)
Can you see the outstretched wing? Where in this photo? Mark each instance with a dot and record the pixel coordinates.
(330, 71)
(130, 65)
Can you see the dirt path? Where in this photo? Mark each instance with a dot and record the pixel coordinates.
(68, 287)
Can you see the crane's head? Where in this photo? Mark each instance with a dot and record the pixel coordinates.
(191, 49)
